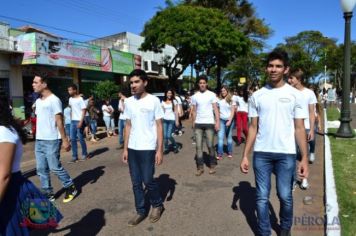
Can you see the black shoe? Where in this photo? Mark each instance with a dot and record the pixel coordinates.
(285, 232)
(176, 150)
(70, 194)
(50, 197)
(166, 152)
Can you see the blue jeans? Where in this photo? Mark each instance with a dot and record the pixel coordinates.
(93, 126)
(225, 131)
(47, 159)
(74, 133)
(109, 123)
(168, 126)
(142, 169)
(121, 127)
(283, 166)
(67, 130)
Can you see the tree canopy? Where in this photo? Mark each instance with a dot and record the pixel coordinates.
(200, 35)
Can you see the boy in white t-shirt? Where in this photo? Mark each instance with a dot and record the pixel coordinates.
(143, 146)
(206, 119)
(76, 103)
(277, 119)
(49, 139)
(309, 102)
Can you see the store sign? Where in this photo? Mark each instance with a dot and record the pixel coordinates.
(27, 44)
(45, 50)
(67, 53)
(122, 62)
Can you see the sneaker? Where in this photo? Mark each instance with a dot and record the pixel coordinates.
(121, 146)
(70, 194)
(174, 134)
(93, 140)
(136, 220)
(176, 150)
(165, 152)
(180, 132)
(72, 161)
(50, 197)
(229, 155)
(199, 172)
(193, 143)
(212, 170)
(304, 185)
(311, 158)
(156, 214)
(219, 157)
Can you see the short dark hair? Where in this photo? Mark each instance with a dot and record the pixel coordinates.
(44, 79)
(73, 86)
(297, 73)
(139, 73)
(278, 54)
(203, 77)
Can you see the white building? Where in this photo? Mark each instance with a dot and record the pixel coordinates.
(129, 42)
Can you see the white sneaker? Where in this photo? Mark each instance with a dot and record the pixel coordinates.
(304, 185)
(311, 158)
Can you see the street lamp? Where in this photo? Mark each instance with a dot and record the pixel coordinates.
(345, 130)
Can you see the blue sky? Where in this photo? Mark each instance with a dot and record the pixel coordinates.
(106, 17)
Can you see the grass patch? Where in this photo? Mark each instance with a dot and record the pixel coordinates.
(344, 163)
(332, 113)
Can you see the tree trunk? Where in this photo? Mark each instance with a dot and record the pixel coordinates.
(218, 78)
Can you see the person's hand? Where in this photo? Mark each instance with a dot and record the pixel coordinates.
(228, 123)
(177, 124)
(159, 157)
(311, 135)
(303, 169)
(79, 125)
(125, 156)
(193, 125)
(244, 165)
(66, 145)
(217, 127)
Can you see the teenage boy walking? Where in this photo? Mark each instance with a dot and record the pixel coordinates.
(78, 107)
(143, 146)
(50, 137)
(277, 119)
(206, 119)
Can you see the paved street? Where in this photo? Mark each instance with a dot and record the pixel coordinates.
(220, 204)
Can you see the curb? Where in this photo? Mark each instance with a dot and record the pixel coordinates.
(332, 223)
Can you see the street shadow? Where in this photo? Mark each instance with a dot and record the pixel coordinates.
(89, 225)
(86, 177)
(245, 194)
(98, 151)
(167, 187)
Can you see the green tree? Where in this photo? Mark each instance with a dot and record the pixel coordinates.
(200, 35)
(307, 51)
(105, 89)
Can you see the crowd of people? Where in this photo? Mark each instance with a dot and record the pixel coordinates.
(277, 121)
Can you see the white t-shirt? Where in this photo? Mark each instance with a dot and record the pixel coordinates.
(308, 98)
(168, 111)
(77, 105)
(204, 107)
(11, 136)
(121, 108)
(276, 109)
(143, 114)
(86, 102)
(225, 108)
(46, 111)
(105, 109)
(66, 113)
(179, 102)
(242, 106)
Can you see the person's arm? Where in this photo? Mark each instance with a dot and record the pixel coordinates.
(217, 116)
(127, 131)
(233, 108)
(80, 124)
(6, 159)
(193, 115)
(300, 136)
(176, 115)
(60, 126)
(311, 121)
(251, 137)
(159, 150)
